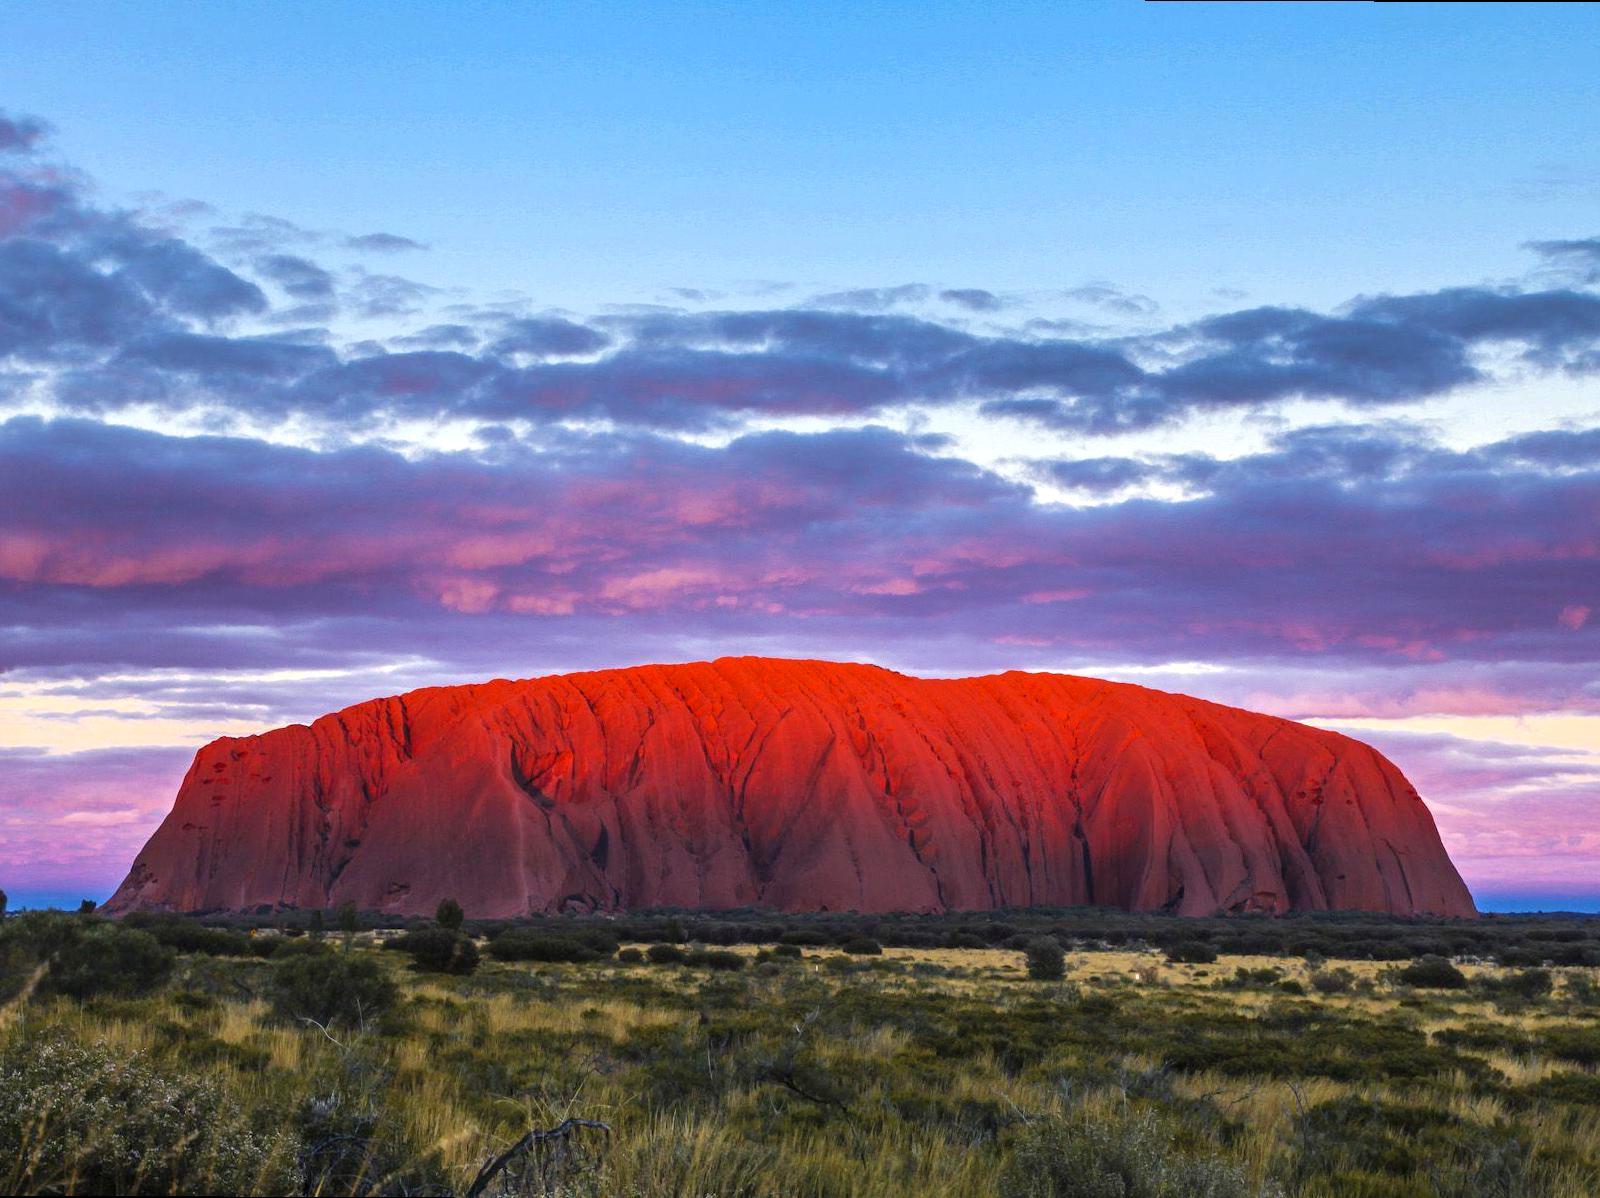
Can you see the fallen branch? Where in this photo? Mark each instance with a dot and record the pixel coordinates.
(560, 1133)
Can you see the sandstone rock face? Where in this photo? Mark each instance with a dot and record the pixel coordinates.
(797, 785)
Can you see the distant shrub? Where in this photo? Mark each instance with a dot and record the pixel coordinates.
(714, 958)
(109, 959)
(1046, 961)
(1333, 981)
(601, 941)
(805, 939)
(1583, 990)
(1191, 952)
(438, 950)
(862, 946)
(302, 947)
(190, 936)
(1526, 985)
(332, 988)
(523, 945)
(965, 940)
(79, 956)
(1129, 1157)
(1433, 973)
(792, 951)
(665, 954)
(91, 1120)
(450, 915)
(1581, 1045)
(631, 956)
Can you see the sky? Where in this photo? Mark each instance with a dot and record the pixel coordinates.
(1251, 351)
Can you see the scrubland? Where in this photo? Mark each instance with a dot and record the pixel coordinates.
(255, 1062)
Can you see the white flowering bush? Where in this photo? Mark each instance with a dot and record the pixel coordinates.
(82, 1119)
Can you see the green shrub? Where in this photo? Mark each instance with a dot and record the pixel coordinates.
(1577, 1044)
(1191, 952)
(450, 916)
(1524, 986)
(191, 936)
(862, 946)
(1433, 973)
(1333, 981)
(438, 950)
(805, 939)
(302, 947)
(631, 956)
(521, 944)
(714, 958)
(1046, 961)
(665, 954)
(791, 951)
(110, 960)
(332, 988)
(88, 1120)
(1126, 1157)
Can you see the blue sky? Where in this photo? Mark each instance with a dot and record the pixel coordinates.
(593, 154)
(1202, 346)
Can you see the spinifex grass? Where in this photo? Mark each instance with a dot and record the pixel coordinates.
(918, 1072)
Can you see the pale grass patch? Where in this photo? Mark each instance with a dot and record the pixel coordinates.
(435, 1121)
(1522, 1070)
(239, 1021)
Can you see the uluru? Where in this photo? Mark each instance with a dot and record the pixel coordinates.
(797, 786)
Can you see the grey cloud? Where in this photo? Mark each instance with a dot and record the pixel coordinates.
(974, 299)
(299, 278)
(382, 243)
(1580, 257)
(20, 134)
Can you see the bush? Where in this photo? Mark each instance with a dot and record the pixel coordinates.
(714, 958)
(862, 946)
(438, 950)
(332, 988)
(188, 936)
(1191, 952)
(1114, 1158)
(1046, 961)
(665, 954)
(303, 947)
(1433, 973)
(1333, 981)
(89, 1120)
(450, 915)
(631, 956)
(522, 945)
(805, 939)
(791, 951)
(1527, 985)
(79, 957)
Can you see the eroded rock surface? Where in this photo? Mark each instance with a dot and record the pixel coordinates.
(797, 785)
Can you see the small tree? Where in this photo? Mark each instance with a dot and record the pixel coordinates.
(349, 919)
(109, 959)
(3, 901)
(330, 988)
(450, 915)
(1433, 972)
(1046, 961)
(86, 907)
(317, 924)
(438, 950)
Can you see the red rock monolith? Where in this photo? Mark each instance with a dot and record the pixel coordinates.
(796, 785)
